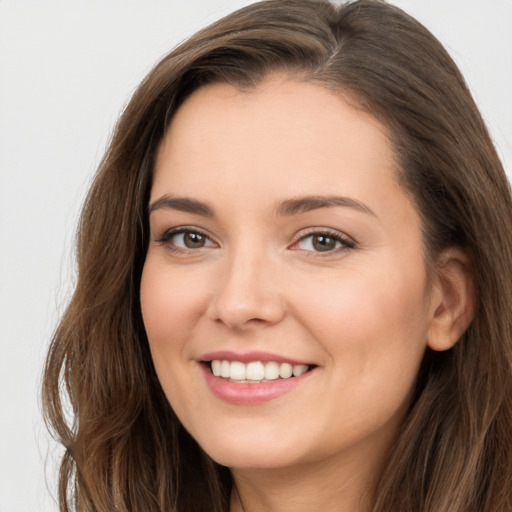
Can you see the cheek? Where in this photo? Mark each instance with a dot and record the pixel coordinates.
(373, 330)
(170, 302)
(368, 318)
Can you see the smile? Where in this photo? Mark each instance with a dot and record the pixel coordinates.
(256, 371)
(253, 378)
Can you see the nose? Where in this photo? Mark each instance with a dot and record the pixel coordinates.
(247, 293)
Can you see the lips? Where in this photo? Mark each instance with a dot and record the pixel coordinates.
(252, 378)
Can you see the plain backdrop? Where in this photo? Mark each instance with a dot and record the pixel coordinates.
(66, 70)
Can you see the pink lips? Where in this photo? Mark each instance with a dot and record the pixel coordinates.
(249, 394)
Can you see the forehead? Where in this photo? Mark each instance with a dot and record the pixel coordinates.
(285, 126)
(285, 137)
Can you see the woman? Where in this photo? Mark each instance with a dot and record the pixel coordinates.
(294, 280)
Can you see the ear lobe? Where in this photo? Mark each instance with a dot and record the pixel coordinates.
(453, 300)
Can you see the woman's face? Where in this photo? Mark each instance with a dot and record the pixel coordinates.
(281, 242)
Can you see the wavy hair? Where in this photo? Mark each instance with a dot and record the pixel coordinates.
(125, 450)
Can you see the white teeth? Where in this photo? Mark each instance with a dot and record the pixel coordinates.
(225, 369)
(256, 371)
(216, 367)
(285, 370)
(299, 369)
(272, 370)
(237, 371)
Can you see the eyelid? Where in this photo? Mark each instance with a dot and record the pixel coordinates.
(347, 241)
(167, 234)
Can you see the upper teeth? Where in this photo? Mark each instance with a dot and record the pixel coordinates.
(256, 370)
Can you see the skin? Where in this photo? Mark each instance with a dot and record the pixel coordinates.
(362, 312)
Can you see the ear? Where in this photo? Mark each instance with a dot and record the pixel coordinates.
(453, 301)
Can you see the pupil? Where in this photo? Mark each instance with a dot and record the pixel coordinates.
(324, 243)
(193, 240)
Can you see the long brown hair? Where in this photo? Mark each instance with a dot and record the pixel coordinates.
(125, 450)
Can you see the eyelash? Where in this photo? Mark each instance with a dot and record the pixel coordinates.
(345, 242)
(165, 238)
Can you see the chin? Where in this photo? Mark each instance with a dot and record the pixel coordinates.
(249, 454)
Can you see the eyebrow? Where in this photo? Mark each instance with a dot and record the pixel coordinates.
(305, 204)
(293, 206)
(183, 204)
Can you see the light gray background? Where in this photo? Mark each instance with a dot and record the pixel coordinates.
(66, 69)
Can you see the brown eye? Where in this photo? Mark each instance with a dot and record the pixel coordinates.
(186, 239)
(193, 240)
(324, 243)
